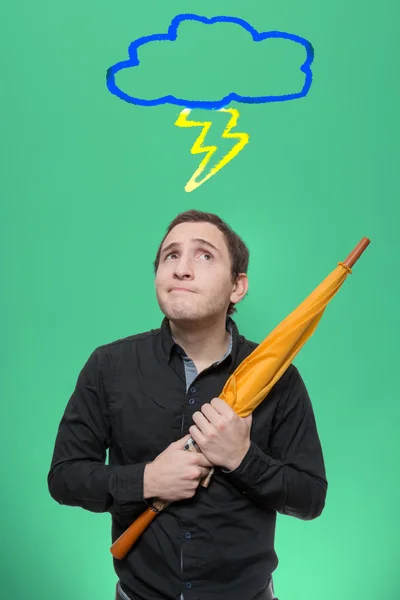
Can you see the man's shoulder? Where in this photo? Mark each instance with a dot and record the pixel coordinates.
(120, 344)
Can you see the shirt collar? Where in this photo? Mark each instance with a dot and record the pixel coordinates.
(170, 345)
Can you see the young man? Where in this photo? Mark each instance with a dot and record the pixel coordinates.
(143, 396)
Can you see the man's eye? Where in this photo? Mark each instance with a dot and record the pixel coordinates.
(170, 254)
(207, 254)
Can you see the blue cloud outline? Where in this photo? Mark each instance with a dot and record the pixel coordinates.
(172, 36)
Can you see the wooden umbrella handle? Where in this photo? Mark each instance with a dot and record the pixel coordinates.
(356, 253)
(124, 543)
(126, 540)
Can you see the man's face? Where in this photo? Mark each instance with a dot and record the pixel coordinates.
(193, 280)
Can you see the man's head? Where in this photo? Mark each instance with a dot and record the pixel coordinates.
(203, 255)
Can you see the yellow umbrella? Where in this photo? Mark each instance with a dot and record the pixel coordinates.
(258, 373)
(253, 379)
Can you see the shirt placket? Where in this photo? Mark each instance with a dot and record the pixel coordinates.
(190, 375)
(191, 390)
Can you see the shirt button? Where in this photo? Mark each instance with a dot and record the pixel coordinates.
(188, 535)
(192, 400)
(188, 584)
(193, 389)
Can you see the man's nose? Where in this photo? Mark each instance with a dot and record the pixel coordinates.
(183, 268)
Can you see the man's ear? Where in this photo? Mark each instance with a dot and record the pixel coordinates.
(240, 288)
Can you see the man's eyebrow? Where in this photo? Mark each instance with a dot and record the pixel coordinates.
(169, 247)
(202, 241)
(177, 244)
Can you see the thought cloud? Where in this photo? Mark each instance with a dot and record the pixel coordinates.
(234, 91)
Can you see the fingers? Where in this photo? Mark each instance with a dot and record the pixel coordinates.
(203, 472)
(222, 407)
(203, 423)
(202, 461)
(181, 443)
(198, 458)
(210, 416)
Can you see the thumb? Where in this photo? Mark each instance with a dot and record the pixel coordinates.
(181, 443)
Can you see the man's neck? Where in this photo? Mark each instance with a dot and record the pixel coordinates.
(204, 343)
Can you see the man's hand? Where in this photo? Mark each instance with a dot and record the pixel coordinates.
(223, 436)
(175, 474)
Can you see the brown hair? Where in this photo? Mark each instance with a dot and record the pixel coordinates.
(238, 251)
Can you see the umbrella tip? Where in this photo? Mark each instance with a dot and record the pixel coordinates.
(356, 253)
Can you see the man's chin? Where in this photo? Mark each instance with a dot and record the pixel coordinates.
(181, 313)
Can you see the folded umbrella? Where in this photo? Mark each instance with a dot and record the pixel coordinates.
(254, 378)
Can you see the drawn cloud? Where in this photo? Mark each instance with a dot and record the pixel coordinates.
(172, 36)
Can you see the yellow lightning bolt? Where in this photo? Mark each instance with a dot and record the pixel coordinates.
(198, 148)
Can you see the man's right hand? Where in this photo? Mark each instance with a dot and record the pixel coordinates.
(175, 473)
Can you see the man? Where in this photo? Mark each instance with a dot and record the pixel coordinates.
(143, 396)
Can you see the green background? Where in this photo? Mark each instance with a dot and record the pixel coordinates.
(89, 184)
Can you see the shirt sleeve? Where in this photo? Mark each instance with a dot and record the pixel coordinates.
(78, 475)
(291, 477)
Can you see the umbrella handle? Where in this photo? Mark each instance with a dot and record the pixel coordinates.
(127, 539)
(356, 253)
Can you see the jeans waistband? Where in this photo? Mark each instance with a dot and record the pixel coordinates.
(266, 594)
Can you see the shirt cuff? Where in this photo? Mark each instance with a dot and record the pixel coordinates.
(126, 483)
(252, 467)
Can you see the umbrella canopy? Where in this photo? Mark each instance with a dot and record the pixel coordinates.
(258, 373)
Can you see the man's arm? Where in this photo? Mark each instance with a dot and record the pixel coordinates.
(78, 474)
(291, 478)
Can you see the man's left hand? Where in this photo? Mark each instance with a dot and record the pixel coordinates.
(222, 436)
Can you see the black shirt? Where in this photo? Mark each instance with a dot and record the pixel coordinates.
(131, 400)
